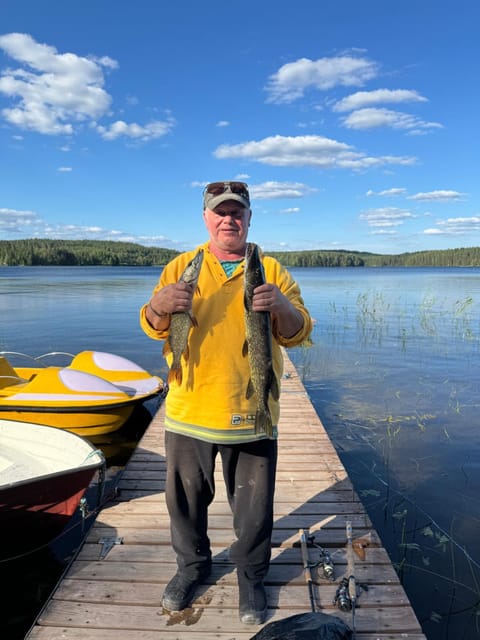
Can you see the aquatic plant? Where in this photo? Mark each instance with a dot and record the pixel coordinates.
(396, 392)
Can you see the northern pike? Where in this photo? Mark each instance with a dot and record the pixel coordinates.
(258, 344)
(181, 322)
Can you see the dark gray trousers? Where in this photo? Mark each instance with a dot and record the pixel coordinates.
(249, 475)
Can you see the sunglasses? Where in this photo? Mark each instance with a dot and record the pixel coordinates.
(216, 188)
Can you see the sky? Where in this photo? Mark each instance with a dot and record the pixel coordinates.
(355, 124)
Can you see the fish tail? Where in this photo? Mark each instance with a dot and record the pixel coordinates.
(263, 422)
(175, 375)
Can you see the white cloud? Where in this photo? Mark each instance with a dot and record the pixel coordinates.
(150, 131)
(270, 190)
(276, 190)
(394, 191)
(105, 61)
(384, 232)
(455, 227)
(64, 169)
(223, 123)
(441, 195)
(363, 99)
(371, 118)
(290, 210)
(386, 217)
(21, 224)
(53, 91)
(290, 82)
(314, 151)
(14, 221)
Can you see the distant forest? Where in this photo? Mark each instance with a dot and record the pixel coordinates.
(81, 253)
(37, 252)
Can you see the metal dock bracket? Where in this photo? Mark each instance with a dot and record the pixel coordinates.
(108, 544)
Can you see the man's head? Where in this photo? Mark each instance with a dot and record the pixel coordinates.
(217, 192)
(227, 217)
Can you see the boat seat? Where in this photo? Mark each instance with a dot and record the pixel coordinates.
(8, 375)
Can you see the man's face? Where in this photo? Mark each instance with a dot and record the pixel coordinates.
(227, 225)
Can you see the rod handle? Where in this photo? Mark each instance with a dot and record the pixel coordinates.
(303, 547)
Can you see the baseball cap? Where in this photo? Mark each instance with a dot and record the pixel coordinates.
(217, 192)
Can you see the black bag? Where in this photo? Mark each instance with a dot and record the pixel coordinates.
(306, 626)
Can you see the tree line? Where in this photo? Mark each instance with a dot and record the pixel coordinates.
(464, 257)
(39, 252)
(36, 252)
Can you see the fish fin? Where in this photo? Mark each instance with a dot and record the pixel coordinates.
(250, 390)
(166, 348)
(245, 348)
(175, 375)
(263, 423)
(274, 389)
(193, 320)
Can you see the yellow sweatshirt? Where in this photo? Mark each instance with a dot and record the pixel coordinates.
(211, 404)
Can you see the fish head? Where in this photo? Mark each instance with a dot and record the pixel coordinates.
(192, 270)
(249, 250)
(253, 265)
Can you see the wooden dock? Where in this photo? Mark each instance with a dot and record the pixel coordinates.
(117, 595)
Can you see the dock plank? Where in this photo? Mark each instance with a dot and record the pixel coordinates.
(119, 596)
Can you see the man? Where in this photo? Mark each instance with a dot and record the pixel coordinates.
(208, 414)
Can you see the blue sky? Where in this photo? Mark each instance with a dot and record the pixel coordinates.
(354, 123)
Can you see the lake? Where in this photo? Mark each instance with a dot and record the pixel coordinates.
(393, 372)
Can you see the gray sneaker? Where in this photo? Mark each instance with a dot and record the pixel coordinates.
(253, 601)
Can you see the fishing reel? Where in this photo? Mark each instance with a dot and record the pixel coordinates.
(342, 598)
(347, 592)
(325, 560)
(326, 565)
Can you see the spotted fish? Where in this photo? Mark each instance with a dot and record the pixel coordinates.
(181, 323)
(258, 345)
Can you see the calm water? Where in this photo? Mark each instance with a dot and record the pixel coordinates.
(394, 374)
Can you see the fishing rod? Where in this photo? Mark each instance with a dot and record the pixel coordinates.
(324, 561)
(307, 572)
(346, 596)
(352, 586)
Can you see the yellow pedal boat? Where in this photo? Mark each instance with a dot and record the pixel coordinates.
(95, 394)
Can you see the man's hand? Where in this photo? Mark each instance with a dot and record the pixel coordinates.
(268, 297)
(173, 298)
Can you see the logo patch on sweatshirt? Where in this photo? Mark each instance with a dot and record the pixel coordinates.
(238, 419)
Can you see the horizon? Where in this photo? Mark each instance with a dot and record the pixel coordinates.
(162, 248)
(352, 124)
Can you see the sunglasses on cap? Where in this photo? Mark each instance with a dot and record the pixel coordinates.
(217, 188)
